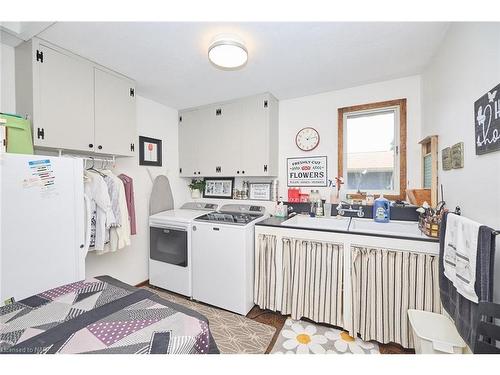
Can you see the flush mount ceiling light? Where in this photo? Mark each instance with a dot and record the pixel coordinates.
(228, 52)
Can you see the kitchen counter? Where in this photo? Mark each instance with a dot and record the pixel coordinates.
(279, 222)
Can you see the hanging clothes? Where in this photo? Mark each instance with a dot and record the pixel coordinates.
(113, 191)
(129, 195)
(119, 234)
(88, 221)
(102, 216)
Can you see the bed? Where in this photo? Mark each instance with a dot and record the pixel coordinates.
(102, 315)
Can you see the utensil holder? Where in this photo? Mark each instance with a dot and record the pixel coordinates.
(429, 226)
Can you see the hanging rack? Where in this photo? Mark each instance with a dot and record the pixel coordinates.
(104, 161)
(458, 211)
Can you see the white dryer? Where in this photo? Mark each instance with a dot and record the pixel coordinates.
(170, 246)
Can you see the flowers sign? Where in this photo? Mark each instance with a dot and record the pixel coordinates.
(487, 122)
(307, 171)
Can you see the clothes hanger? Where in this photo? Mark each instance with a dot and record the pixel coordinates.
(92, 168)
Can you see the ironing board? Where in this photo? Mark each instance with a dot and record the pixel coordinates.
(161, 196)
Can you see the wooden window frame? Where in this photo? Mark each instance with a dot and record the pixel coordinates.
(401, 103)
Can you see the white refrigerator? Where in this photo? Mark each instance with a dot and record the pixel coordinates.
(41, 224)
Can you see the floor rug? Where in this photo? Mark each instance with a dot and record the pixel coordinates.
(233, 333)
(300, 337)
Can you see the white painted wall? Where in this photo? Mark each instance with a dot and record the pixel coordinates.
(320, 111)
(7, 79)
(466, 66)
(131, 264)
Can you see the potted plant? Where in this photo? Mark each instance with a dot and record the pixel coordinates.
(196, 186)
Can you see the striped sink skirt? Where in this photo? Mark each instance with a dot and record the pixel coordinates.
(301, 278)
(385, 284)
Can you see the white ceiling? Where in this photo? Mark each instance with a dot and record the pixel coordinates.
(169, 59)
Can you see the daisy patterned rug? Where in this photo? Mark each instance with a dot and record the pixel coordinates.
(300, 337)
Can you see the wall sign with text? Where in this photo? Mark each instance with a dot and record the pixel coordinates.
(487, 122)
(307, 171)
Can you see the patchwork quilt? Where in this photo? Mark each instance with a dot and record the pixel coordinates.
(102, 315)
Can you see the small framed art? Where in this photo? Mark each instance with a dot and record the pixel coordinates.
(446, 158)
(150, 151)
(457, 155)
(221, 187)
(260, 191)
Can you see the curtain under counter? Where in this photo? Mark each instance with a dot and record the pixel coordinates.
(266, 287)
(385, 284)
(301, 278)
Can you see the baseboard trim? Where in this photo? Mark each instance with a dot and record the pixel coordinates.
(144, 283)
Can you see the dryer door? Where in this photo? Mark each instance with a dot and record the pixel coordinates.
(169, 245)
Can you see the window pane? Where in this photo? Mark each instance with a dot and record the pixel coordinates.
(371, 151)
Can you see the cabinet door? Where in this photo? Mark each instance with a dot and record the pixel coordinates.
(228, 139)
(254, 138)
(64, 102)
(188, 141)
(115, 122)
(209, 135)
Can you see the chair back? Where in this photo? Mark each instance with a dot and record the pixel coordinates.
(488, 329)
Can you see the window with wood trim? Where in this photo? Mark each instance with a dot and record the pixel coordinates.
(372, 148)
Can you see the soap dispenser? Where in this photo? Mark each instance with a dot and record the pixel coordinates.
(381, 210)
(281, 209)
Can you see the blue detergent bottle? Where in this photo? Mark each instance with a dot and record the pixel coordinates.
(381, 210)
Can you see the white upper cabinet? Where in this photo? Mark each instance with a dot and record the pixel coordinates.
(229, 139)
(65, 102)
(188, 143)
(237, 138)
(74, 104)
(115, 131)
(259, 136)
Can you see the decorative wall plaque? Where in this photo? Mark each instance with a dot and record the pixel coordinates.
(457, 155)
(487, 122)
(446, 158)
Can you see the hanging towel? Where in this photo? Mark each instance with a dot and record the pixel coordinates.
(460, 252)
(161, 196)
(463, 311)
(128, 184)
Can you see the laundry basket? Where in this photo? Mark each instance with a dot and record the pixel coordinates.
(434, 333)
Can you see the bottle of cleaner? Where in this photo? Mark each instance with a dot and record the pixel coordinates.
(320, 208)
(381, 210)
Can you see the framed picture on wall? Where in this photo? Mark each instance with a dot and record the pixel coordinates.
(221, 187)
(260, 191)
(150, 151)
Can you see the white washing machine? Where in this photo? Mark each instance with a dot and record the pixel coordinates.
(223, 257)
(170, 246)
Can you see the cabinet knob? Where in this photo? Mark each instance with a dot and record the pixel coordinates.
(99, 147)
(243, 172)
(91, 145)
(238, 172)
